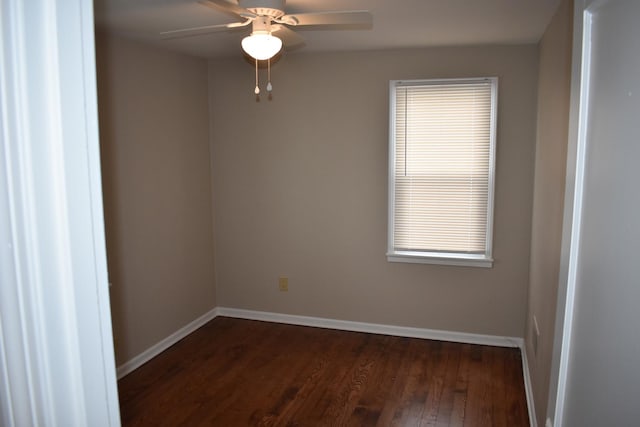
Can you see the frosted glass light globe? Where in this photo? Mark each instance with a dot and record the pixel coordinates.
(261, 46)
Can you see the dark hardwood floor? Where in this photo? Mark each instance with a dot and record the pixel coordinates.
(235, 372)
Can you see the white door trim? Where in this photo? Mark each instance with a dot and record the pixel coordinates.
(574, 194)
(56, 352)
(567, 326)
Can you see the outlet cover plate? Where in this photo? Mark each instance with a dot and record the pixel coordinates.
(283, 284)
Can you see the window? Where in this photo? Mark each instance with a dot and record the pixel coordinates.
(441, 169)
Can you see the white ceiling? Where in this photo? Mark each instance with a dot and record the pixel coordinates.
(396, 23)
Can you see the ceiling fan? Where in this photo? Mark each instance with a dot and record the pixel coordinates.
(270, 27)
(270, 24)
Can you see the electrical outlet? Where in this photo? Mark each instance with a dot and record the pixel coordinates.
(535, 335)
(283, 284)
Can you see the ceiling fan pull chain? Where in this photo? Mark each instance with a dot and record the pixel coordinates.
(257, 89)
(269, 86)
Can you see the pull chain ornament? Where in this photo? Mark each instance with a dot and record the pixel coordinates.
(269, 87)
(257, 89)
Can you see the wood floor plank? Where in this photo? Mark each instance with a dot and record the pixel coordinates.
(235, 372)
(449, 409)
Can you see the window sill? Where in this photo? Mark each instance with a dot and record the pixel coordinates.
(435, 258)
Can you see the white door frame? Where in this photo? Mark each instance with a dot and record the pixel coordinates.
(56, 351)
(573, 202)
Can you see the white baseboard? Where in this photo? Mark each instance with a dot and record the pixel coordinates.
(533, 422)
(372, 328)
(158, 348)
(344, 325)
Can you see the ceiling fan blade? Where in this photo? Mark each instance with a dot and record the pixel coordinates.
(289, 37)
(196, 31)
(226, 6)
(349, 17)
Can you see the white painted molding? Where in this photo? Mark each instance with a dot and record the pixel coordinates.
(56, 347)
(161, 346)
(533, 422)
(372, 328)
(318, 322)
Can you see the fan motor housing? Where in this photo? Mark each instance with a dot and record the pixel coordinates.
(272, 8)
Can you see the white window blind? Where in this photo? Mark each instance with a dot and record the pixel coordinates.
(441, 169)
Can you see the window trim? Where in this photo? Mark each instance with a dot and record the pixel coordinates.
(448, 258)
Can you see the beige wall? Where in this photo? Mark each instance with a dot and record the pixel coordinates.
(551, 154)
(300, 188)
(154, 131)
